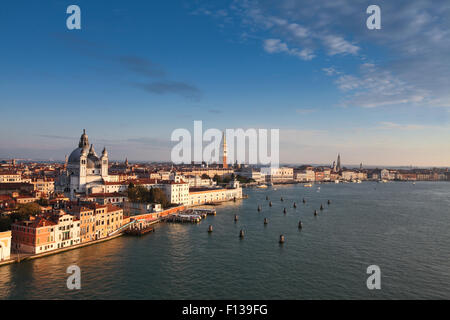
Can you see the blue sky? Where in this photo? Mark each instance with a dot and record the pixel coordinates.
(137, 70)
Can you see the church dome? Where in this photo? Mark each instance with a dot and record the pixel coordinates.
(83, 146)
(75, 155)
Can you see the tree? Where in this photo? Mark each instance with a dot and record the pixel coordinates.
(143, 195)
(27, 209)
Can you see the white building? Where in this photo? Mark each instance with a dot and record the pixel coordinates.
(207, 195)
(67, 231)
(85, 170)
(10, 177)
(176, 192)
(281, 174)
(197, 181)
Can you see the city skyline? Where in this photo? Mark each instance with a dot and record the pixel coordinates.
(132, 75)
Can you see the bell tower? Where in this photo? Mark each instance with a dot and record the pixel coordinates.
(104, 164)
(224, 151)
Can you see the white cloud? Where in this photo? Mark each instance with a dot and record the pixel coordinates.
(277, 46)
(330, 71)
(338, 45)
(376, 87)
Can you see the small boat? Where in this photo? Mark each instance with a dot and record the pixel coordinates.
(263, 186)
(309, 185)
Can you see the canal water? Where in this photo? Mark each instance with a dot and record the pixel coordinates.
(401, 227)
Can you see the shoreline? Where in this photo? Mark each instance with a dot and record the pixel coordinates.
(27, 257)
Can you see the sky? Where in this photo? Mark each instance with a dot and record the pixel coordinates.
(137, 70)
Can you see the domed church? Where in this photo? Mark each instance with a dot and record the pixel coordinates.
(85, 170)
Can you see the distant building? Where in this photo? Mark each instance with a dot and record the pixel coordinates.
(251, 173)
(278, 175)
(10, 177)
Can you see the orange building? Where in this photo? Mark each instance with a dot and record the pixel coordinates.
(33, 236)
(86, 217)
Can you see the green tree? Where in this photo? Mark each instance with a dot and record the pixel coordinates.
(27, 209)
(153, 195)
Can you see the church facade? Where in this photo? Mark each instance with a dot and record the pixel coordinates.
(85, 170)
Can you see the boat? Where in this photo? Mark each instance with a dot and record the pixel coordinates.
(263, 186)
(309, 185)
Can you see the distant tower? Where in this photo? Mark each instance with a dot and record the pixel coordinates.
(224, 155)
(104, 163)
(126, 162)
(334, 166)
(360, 166)
(338, 164)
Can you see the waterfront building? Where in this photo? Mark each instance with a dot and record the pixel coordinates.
(97, 221)
(5, 245)
(305, 174)
(199, 196)
(387, 174)
(108, 219)
(67, 231)
(86, 216)
(349, 175)
(278, 175)
(176, 192)
(319, 175)
(34, 236)
(252, 173)
(61, 229)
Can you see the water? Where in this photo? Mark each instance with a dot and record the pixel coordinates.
(401, 227)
